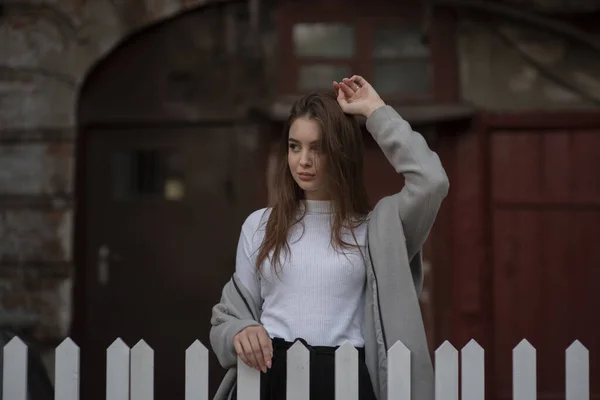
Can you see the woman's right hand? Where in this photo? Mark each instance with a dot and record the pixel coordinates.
(253, 345)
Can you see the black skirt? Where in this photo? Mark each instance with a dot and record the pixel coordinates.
(322, 373)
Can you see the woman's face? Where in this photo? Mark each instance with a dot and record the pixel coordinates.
(305, 158)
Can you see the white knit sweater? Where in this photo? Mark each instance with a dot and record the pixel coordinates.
(319, 293)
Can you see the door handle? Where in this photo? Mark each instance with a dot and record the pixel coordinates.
(104, 258)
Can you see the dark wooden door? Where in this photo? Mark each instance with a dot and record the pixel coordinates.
(546, 269)
(163, 212)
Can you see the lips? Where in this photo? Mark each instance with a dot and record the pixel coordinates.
(306, 177)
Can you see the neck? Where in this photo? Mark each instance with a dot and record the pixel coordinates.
(317, 206)
(317, 196)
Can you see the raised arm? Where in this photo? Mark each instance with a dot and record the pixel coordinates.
(426, 183)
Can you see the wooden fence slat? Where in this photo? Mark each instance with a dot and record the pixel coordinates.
(14, 374)
(524, 371)
(142, 372)
(398, 372)
(248, 382)
(446, 372)
(196, 372)
(117, 371)
(346, 372)
(577, 372)
(298, 372)
(473, 371)
(130, 373)
(66, 371)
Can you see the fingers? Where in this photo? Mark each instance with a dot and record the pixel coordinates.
(341, 97)
(257, 348)
(349, 92)
(239, 350)
(254, 347)
(351, 84)
(360, 80)
(248, 350)
(266, 347)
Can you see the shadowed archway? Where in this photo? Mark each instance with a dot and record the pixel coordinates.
(169, 165)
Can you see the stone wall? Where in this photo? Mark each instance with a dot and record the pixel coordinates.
(47, 50)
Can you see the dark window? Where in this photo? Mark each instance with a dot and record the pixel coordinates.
(324, 40)
(390, 42)
(156, 173)
(400, 61)
(393, 56)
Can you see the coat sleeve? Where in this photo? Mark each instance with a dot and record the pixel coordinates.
(425, 181)
(229, 317)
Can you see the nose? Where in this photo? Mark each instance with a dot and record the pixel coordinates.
(306, 159)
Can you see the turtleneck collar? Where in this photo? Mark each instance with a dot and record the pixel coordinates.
(317, 206)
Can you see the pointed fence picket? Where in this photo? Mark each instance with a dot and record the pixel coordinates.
(446, 372)
(142, 372)
(130, 373)
(117, 371)
(66, 371)
(298, 380)
(196, 372)
(399, 368)
(14, 370)
(472, 359)
(346, 372)
(524, 371)
(577, 372)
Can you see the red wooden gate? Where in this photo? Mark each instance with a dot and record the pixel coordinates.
(521, 234)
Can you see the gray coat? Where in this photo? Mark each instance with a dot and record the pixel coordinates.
(397, 229)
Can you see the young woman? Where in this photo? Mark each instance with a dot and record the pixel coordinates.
(321, 266)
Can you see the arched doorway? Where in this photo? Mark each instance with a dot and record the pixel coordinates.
(167, 172)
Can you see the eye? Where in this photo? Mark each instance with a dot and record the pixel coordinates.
(294, 147)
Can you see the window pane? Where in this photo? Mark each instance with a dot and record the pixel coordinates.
(411, 77)
(323, 40)
(321, 76)
(399, 42)
(147, 173)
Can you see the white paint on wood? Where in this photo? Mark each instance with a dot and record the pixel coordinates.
(473, 371)
(399, 372)
(196, 372)
(117, 371)
(524, 371)
(138, 365)
(446, 372)
(298, 372)
(14, 374)
(248, 382)
(142, 372)
(577, 372)
(66, 375)
(346, 372)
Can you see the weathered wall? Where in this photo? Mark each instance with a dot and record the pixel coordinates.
(508, 67)
(47, 49)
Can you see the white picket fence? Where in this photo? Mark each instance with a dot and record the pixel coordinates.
(130, 372)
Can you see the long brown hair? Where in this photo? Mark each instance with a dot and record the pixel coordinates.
(342, 145)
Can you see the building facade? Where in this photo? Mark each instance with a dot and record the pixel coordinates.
(136, 136)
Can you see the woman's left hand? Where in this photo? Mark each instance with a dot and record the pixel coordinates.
(356, 96)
